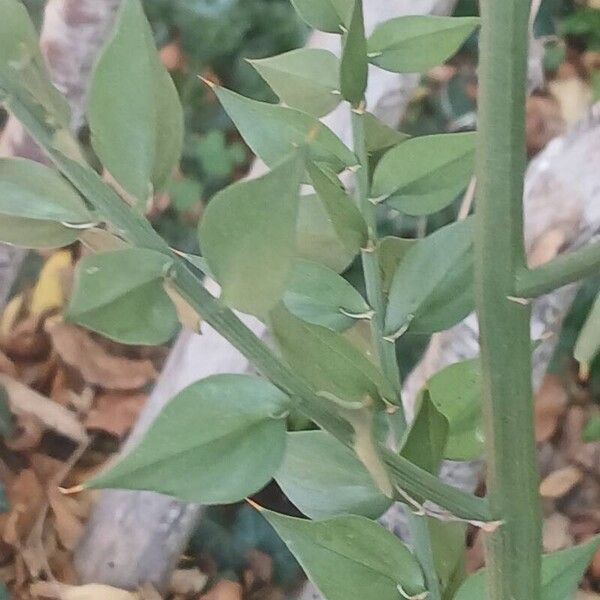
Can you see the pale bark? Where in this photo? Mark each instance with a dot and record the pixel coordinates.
(135, 537)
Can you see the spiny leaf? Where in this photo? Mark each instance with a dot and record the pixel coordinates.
(247, 235)
(318, 295)
(328, 361)
(326, 15)
(218, 441)
(134, 111)
(273, 131)
(414, 44)
(444, 296)
(120, 295)
(351, 558)
(325, 488)
(306, 79)
(424, 174)
(354, 66)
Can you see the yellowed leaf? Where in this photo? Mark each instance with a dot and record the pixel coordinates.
(10, 316)
(49, 292)
(560, 482)
(188, 316)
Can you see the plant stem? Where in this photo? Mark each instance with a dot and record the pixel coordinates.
(563, 270)
(386, 350)
(133, 227)
(514, 549)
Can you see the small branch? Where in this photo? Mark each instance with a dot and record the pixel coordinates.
(565, 269)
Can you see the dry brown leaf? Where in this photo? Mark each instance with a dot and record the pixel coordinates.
(26, 498)
(27, 433)
(544, 122)
(556, 534)
(7, 366)
(224, 590)
(59, 591)
(69, 528)
(188, 581)
(115, 413)
(27, 341)
(24, 400)
(560, 482)
(173, 57)
(78, 349)
(550, 405)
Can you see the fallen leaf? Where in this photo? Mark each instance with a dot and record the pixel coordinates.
(52, 287)
(11, 314)
(224, 590)
(561, 482)
(69, 528)
(77, 348)
(24, 400)
(550, 405)
(556, 533)
(188, 581)
(115, 413)
(574, 96)
(59, 591)
(7, 366)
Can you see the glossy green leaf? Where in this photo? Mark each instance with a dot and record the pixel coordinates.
(274, 131)
(134, 112)
(354, 67)
(561, 573)
(6, 417)
(22, 63)
(351, 557)
(323, 478)
(456, 392)
(306, 79)
(33, 191)
(247, 235)
(414, 44)
(588, 341)
(319, 295)
(424, 174)
(432, 286)
(425, 441)
(391, 251)
(218, 441)
(328, 360)
(379, 136)
(120, 295)
(325, 15)
(33, 233)
(591, 431)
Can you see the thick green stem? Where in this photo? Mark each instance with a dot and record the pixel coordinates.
(563, 270)
(386, 349)
(514, 549)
